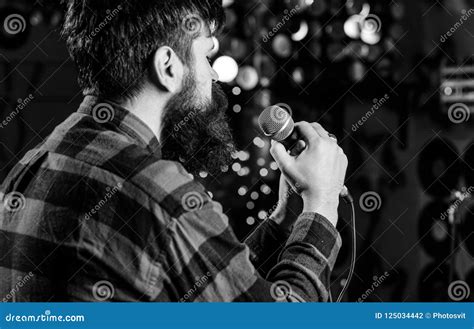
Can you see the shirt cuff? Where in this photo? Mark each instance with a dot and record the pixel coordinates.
(318, 231)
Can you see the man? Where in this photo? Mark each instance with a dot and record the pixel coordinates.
(106, 208)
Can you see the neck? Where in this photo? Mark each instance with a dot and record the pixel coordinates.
(148, 107)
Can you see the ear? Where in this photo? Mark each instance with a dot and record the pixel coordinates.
(167, 69)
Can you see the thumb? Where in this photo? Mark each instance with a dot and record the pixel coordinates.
(282, 158)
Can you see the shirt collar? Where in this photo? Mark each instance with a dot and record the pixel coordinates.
(124, 121)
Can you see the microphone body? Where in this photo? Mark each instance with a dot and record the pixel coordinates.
(276, 123)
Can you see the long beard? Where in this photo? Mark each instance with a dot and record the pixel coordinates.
(197, 134)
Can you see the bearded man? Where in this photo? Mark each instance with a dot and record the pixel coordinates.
(106, 207)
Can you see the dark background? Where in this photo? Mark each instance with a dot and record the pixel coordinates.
(410, 154)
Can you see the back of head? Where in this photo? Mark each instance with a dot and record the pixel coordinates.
(112, 42)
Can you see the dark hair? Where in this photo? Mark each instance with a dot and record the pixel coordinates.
(112, 42)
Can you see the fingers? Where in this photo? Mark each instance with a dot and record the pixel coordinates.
(306, 131)
(298, 148)
(282, 158)
(323, 133)
(342, 167)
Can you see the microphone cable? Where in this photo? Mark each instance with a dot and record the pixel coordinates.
(350, 201)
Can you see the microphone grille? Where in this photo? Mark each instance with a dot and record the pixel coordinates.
(276, 122)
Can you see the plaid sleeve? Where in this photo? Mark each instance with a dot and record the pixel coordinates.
(208, 263)
(266, 243)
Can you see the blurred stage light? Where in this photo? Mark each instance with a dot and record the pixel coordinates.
(358, 49)
(243, 171)
(357, 71)
(36, 17)
(247, 77)
(243, 156)
(369, 37)
(55, 18)
(258, 142)
(237, 108)
(235, 47)
(254, 195)
(236, 166)
(227, 68)
(265, 189)
(263, 98)
(236, 91)
(282, 46)
(301, 33)
(298, 75)
(250, 221)
(352, 26)
(242, 190)
(227, 3)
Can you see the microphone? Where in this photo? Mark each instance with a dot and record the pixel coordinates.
(276, 123)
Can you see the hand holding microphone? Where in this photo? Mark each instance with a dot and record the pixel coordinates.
(318, 168)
